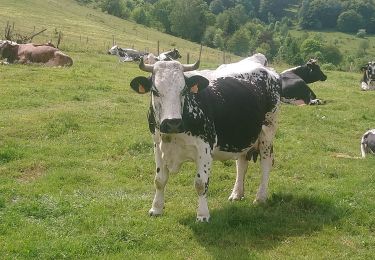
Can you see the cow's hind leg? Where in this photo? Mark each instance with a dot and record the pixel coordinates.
(266, 159)
(202, 179)
(161, 179)
(238, 189)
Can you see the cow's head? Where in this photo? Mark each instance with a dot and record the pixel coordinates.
(113, 50)
(369, 70)
(314, 72)
(9, 51)
(176, 54)
(169, 87)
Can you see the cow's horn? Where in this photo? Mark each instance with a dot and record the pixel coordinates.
(146, 67)
(190, 67)
(194, 66)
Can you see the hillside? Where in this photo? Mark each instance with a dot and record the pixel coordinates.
(89, 30)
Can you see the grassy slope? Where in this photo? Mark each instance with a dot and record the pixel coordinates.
(76, 170)
(89, 30)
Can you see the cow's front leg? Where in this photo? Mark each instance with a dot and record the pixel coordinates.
(202, 179)
(238, 189)
(161, 178)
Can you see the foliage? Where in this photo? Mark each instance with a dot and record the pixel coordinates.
(349, 21)
(188, 19)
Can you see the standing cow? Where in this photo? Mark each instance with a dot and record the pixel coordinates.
(34, 53)
(368, 143)
(233, 115)
(295, 80)
(368, 79)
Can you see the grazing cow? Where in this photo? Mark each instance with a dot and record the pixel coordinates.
(368, 79)
(126, 54)
(295, 80)
(34, 53)
(231, 115)
(169, 55)
(368, 143)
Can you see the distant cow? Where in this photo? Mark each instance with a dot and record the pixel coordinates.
(295, 80)
(230, 114)
(34, 53)
(125, 54)
(169, 55)
(368, 79)
(368, 143)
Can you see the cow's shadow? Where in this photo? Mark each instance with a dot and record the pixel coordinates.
(236, 230)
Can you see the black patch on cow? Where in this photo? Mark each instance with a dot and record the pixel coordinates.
(238, 107)
(158, 170)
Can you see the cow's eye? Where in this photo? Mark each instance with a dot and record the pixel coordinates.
(155, 92)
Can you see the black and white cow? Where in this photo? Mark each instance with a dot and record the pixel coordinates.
(231, 115)
(125, 54)
(368, 143)
(295, 80)
(368, 79)
(169, 55)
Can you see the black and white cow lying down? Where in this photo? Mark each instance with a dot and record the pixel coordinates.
(231, 115)
(368, 79)
(294, 83)
(368, 143)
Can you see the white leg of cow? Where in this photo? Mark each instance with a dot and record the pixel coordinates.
(202, 179)
(238, 189)
(160, 181)
(266, 158)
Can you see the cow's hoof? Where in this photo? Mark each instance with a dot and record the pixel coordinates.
(235, 196)
(155, 212)
(259, 201)
(203, 218)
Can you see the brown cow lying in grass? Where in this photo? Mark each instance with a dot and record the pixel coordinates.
(34, 53)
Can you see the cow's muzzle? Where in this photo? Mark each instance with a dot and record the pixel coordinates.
(171, 126)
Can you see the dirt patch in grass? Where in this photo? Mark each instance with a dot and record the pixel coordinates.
(32, 172)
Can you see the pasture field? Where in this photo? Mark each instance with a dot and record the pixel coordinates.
(76, 175)
(77, 168)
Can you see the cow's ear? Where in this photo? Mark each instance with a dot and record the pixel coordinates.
(196, 83)
(363, 68)
(141, 84)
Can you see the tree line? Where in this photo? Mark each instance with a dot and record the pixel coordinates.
(247, 26)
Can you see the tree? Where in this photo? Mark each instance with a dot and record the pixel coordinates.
(363, 46)
(188, 19)
(216, 6)
(318, 14)
(349, 21)
(238, 43)
(161, 11)
(310, 47)
(332, 54)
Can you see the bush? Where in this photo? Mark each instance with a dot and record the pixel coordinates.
(328, 66)
(361, 33)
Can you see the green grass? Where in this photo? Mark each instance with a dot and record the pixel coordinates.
(76, 171)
